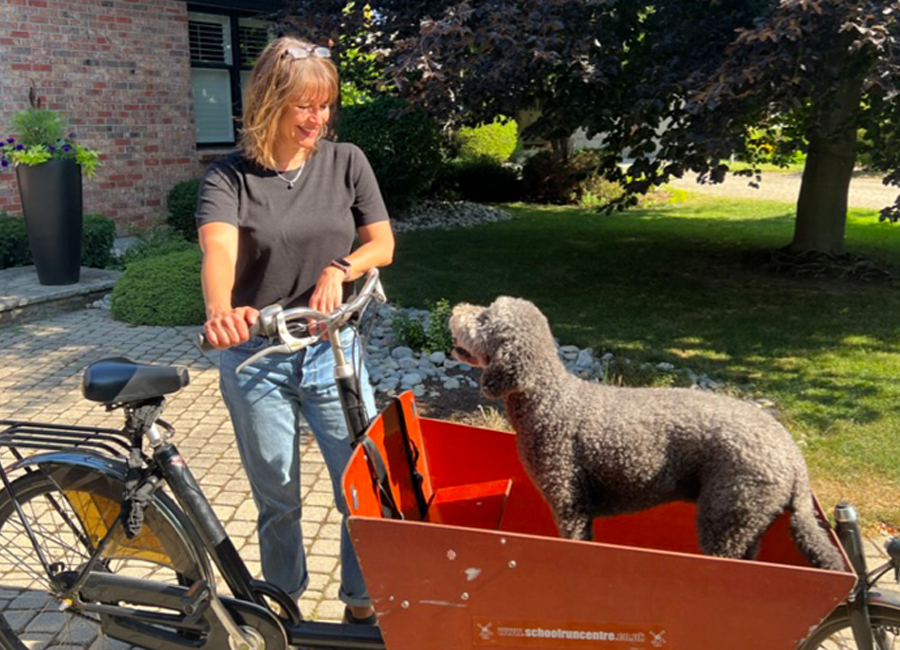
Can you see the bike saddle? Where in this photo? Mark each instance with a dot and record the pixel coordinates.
(118, 380)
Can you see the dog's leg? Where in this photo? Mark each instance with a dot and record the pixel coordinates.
(730, 523)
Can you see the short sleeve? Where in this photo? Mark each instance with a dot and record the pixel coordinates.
(219, 196)
(368, 205)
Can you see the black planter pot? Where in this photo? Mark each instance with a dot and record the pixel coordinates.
(51, 201)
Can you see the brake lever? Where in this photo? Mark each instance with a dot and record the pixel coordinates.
(284, 348)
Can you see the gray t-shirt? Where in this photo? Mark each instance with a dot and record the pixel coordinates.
(287, 236)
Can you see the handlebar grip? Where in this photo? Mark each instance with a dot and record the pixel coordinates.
(205, 346)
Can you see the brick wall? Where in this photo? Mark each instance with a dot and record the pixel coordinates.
(119, 70)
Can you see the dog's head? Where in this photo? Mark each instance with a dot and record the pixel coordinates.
(510, 339)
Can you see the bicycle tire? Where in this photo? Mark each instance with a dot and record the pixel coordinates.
(835, 632)
(67, 508)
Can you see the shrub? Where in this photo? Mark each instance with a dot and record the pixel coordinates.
(497, 140)
(438, 337)
(14, 248)
(163, 290)
(154, 242)
(98, 235)
(550, 178)
(433, 337)
(97, 238)
(484, 180)
(402, 144)
(182, 205)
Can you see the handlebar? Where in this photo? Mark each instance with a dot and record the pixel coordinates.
(310, 323)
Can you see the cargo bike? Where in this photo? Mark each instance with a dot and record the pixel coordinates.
(107, 541)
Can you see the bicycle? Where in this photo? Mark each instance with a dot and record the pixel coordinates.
(108, 559)
(105, 556)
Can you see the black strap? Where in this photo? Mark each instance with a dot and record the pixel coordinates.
(412, 459)
(389, 509)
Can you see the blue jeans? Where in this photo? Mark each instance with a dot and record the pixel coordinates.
(266, 401)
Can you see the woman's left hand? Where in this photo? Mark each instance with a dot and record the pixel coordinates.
(329, 292)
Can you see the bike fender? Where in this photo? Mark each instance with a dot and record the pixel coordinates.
(885, 598)
(114, 468)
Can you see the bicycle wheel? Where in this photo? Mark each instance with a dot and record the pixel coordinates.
(69, 509)
(835, 632)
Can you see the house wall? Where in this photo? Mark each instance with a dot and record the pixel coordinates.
(119, 70)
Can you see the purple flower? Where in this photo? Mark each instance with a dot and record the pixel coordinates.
(10, 140)
(51, 148)
(71, 135)
(67, 148)
(3, 163)
(19, 147)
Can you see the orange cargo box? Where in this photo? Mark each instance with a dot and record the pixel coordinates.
(459, 551)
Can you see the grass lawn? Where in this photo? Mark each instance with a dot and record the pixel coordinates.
(683, 284)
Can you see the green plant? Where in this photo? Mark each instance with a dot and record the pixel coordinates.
(14, 249)
(154, 242)
(42, 136)
(98, 235)
(496, 141)
(402, 144)
(182, 204)
(550, 177)
(438, 337)
(97, 238)
(484, 180)
(163, 290)
(408, 331)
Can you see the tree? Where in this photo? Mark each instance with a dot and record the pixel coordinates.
(679, 84)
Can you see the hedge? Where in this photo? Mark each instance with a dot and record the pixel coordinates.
(163, 290)
(98, 236)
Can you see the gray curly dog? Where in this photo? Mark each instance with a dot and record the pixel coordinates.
(597, 450)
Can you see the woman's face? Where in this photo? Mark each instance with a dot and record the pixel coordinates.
(303, 120)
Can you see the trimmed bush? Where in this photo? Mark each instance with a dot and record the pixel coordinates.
(14, 248)
(484, 180)
(497, 140)
(549, 178)
(402, 144)
(97, 239)
(182, 205)
(98, 235)
(163, 290)
(154, 242)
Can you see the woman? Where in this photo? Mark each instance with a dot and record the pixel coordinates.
(276, 222)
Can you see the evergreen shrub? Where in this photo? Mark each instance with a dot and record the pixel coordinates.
(497, 140)
(14, 248)
(402, 143)
(98, 236)
(182, 205)
(484, 180)
(161, 290)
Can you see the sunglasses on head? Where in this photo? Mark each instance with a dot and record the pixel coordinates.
(304, 52)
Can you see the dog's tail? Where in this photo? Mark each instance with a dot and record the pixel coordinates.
(810, 533)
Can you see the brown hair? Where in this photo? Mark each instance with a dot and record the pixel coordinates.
(277, 80)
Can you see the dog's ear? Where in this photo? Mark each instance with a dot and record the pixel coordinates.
(500, 377)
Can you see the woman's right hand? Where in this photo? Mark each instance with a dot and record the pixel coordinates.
(230, 327)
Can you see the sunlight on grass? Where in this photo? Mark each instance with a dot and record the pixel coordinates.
(684, 284)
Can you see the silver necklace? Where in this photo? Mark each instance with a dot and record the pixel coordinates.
(291, 181)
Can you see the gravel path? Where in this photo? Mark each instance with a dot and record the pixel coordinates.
(866, 190)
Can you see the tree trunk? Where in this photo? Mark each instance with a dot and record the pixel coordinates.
(822, 205)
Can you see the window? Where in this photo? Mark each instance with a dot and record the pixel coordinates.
(224, 48)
